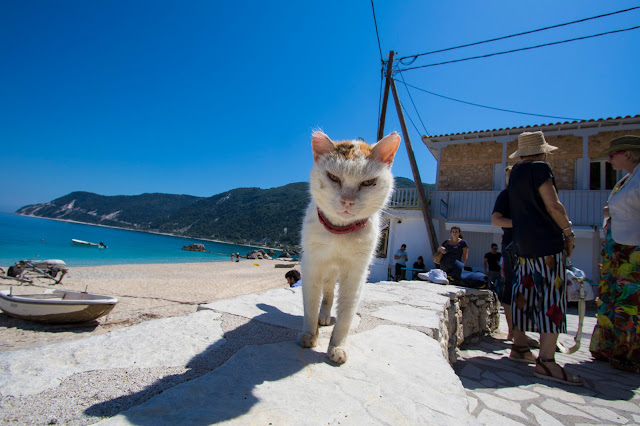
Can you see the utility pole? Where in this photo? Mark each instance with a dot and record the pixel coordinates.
(385, 97)
(424, 204)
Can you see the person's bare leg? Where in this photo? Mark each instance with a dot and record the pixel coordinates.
(507, 315)
(546, 361)
(520, 348)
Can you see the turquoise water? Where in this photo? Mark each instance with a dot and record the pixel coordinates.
(23, 237)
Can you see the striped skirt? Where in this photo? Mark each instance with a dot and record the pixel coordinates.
(539, 301)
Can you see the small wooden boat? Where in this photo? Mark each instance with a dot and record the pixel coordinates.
(56, 306)
(87, 243)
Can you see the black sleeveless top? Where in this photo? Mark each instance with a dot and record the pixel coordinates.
(535, 233)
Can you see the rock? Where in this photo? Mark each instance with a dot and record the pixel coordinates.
(194, 247)
(258, 254)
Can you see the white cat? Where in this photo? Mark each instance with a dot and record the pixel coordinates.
(350, 183)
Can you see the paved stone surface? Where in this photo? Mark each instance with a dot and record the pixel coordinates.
(609, 396)
(36, 369)
(390, 378)
(237, 361)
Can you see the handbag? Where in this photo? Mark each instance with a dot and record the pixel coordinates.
(437, 258)
(578, 290)
(578, 287)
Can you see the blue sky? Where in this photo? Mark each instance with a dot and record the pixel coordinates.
(200, 97)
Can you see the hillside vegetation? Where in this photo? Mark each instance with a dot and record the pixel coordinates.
(244, 215)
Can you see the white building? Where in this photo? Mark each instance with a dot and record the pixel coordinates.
(470, 176)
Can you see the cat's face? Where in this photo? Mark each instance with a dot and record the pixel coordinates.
(351, 180)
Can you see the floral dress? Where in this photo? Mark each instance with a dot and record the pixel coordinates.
(616, 336)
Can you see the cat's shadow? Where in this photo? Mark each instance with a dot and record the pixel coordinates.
(227, 392)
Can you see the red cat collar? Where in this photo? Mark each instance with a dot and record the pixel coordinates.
(334, 229)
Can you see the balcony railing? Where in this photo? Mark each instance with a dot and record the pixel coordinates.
(584, 207)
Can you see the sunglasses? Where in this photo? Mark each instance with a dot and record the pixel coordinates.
(611, 155)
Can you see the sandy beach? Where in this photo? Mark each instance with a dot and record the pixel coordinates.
(145, 292)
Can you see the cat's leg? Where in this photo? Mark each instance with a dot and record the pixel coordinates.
(349, 290)
(311, 293)
(328, 287)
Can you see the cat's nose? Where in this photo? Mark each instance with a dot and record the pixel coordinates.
(348, 202)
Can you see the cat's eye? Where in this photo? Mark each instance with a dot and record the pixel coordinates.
(334, 178)
(369, 182)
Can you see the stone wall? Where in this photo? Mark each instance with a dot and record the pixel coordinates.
(600, 141)
(469, 166)
(446, 313)
(471, 313)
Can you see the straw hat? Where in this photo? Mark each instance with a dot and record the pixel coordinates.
(623, 143)
(532, 143)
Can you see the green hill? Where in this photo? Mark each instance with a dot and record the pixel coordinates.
(243, 215)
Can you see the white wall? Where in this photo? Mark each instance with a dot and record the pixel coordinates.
(413, 232)
(586, 255)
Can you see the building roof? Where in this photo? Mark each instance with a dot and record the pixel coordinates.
(567, 125)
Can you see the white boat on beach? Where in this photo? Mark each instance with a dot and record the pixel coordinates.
(87, 243)
(56, 306)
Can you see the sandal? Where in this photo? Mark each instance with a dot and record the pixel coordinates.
(570, 380)
(522, 351)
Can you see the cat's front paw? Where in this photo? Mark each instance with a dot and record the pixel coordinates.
(324, 319)
(337, 354)
(307, 340)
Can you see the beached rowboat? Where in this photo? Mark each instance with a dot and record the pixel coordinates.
(56, 306)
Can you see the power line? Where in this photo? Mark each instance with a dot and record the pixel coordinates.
(414, 57)
(520, 50)
(489, 107)
(414, 105)
(373, 10)
(378, 35)
(406, 113)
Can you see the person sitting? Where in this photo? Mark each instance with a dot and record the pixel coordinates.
(419, 264)
(401, 259)
(453, 250)
(293, 278)
(492, 264)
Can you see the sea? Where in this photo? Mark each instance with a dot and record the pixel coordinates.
(26, 237)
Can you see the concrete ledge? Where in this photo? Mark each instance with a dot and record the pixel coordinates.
(236, 360)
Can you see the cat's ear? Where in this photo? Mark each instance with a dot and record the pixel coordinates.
(321, 145)
(385, 150)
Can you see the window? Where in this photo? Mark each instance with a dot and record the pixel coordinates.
(383, 243)
(601, 175)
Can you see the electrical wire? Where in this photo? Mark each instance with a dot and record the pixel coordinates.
(373, 10)
(519, 50)
(406, 113)
(489, 107)
(377, 34)
(414, 57)
(426, 132)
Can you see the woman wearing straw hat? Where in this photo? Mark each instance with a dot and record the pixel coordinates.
(543, 236)
(616, 336)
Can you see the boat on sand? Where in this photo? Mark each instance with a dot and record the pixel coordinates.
(56, 306)
(87, 243)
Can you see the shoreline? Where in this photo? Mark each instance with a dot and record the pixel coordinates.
(144, 292)
(150, 232)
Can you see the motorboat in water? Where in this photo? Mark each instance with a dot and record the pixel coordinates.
(87, 243)
(56, 306)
